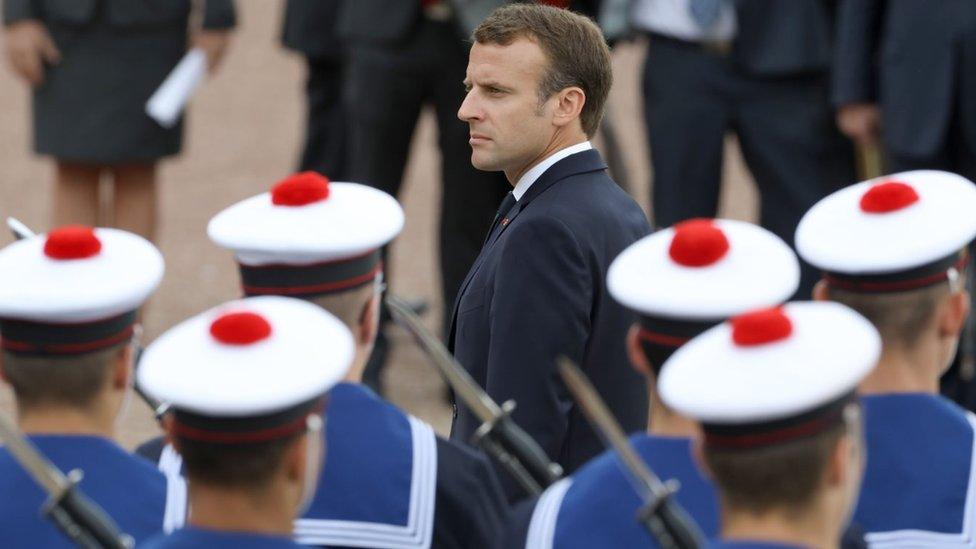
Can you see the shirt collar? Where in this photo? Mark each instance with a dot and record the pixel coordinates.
(529, 177)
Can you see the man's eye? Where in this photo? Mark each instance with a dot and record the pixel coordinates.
(495, 91)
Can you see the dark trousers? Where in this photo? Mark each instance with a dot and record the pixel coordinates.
(386, 88)
(959, 156)
(325, 128)
(693, 97)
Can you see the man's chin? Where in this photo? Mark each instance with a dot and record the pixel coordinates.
(480, 162)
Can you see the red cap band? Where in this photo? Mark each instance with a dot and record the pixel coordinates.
(241, 328)
(72, 242)
(698, 243)
(887, 197)
(300, 189)
(761, 327)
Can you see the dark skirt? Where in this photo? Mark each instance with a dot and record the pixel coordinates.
(91, 107)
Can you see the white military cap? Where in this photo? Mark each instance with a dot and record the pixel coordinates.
(247, 371)
(772, 375)
(896, 233)
(687, 278)
(74, 290)
(308, 236)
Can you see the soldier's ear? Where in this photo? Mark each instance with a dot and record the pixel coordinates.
(121, 367)
(821, 292)
(369, 320)
(698, 455)
(955, 311)
(638, 360)
(3, 371)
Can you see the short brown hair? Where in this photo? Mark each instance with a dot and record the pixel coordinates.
(901, 318)
(577, 52)
(348, 306)
(72, 381)
(783, 476)
(245, 465)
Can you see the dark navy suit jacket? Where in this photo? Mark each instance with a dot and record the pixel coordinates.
(537, 291)
(916, 59)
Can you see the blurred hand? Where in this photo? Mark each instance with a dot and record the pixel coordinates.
(213, 43)
(29, 46)
(861, 122)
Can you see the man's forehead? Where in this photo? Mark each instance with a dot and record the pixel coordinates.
(519, 59)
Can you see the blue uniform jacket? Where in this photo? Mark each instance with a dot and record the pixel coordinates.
(128, 488)
(389, 481)
(918, 487)
(597, 506)
(198, 538)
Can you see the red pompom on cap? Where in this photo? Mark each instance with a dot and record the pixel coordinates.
(300, 189)
(761, 327)
(698, 243)
(887, 197)
(72, 242)
(240, 328)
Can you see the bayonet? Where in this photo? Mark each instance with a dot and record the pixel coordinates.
(499, 435)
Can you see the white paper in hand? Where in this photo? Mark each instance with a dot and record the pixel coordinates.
(168, 101)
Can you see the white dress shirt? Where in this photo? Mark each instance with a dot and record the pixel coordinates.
(673, 18)
(529, 177)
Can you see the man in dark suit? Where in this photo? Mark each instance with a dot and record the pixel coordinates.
(309, 28)
(905, 72)
(755, 67)
(538, 78)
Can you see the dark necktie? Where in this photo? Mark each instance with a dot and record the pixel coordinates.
(705, 12)
(503, 210)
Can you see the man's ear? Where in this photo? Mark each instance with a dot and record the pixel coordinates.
(638, 360)
(121, 367)
(698, 455)
(954, 312)
(568, 105)
(821, 292)
(295, 458)
(840, 464)
(3, 371)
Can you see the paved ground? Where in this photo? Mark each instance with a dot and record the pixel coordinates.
(243, 134)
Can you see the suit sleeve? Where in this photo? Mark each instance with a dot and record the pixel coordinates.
(471, 507)
(857, 36)
(19, 10)
(219, 14)
(540, 309)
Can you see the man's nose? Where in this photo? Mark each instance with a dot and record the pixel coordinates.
(468, 110)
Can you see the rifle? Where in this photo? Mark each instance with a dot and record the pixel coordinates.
(499, 436)
(662, 516)
(78, 517)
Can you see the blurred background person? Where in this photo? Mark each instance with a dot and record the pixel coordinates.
(92, 65)
(403, 56)
(309, 29)
(756, 67)
(917, 102)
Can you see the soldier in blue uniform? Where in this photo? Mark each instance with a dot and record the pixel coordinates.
(894, 249)
(248, 386)
(68, 312)
(773, 391)
(680, 281)
(389, 480)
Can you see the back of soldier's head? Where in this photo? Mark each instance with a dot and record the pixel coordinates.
(69, 305)
(894, 249)
(774, 393)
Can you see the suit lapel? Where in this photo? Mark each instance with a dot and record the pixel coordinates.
(583, 162)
